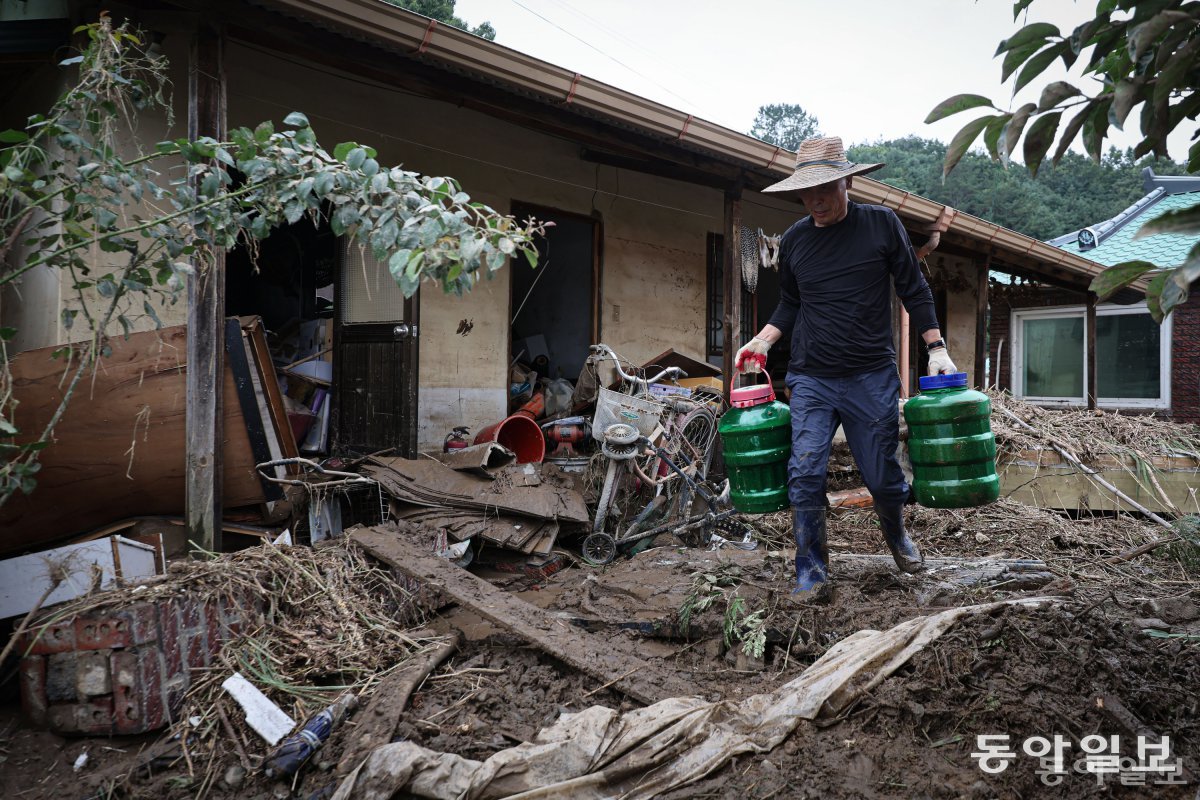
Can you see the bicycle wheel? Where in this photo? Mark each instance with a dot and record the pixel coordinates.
(697, 432)
(599, 549)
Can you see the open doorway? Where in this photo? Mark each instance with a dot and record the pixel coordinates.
(553, 305)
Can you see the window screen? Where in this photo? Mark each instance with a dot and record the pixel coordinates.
(1127, 356)
(1054, 357)
(716, 299)
(368, 291)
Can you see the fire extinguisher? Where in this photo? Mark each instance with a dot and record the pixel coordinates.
(456, 439)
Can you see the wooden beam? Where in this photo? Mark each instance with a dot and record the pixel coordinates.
(205, 314)
(1090, 334)
(395, 545)
(981, 321)
(732, 288)
(656, 167)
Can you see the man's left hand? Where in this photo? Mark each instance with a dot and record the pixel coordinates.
(940, 363)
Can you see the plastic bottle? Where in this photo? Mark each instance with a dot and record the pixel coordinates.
(951, 445)
(757, 436)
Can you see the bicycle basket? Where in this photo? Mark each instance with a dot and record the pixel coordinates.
(613, 407)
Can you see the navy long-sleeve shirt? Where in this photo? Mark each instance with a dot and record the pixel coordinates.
(834, 298)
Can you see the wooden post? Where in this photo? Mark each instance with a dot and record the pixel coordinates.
(206, 315)
(1090, 335)
(732, 289)
(981, 322)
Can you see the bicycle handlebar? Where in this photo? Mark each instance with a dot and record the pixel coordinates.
(605, 351)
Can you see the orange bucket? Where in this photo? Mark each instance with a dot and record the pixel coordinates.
(518, 433)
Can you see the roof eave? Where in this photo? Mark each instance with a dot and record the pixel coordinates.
(406, 31)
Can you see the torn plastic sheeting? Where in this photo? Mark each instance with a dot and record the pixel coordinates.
(599, 753)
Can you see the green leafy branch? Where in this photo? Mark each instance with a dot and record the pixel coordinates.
(737, 623)
(1141, 53)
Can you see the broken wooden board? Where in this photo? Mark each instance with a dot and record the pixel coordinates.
(1043, 478)
(118, 450)
(376, 724)
(555, 637)
(523, 534)
(478, 459)
(522, 489)
(1008, 573)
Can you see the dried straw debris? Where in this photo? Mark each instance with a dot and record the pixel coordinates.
(1089, 434)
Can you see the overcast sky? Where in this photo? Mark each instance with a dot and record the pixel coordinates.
(868, 69)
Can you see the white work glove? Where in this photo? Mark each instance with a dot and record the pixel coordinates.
(752, 357)
(940, 363)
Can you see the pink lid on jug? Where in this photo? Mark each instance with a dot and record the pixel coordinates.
(750, 396)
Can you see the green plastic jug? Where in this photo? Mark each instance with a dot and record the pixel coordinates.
(951, 444)
(757, 436)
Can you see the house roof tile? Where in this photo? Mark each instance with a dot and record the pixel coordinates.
(1115, 242)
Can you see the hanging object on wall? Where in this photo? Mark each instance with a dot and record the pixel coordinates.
(768, 250)
(750, 263)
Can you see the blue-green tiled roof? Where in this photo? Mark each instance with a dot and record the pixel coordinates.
(1116, 242)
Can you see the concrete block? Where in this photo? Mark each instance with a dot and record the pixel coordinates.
(33, 688)
(92, 717)
(56, 638)
(60, 678)
(92, 676)
(125, 628)
(138, 699)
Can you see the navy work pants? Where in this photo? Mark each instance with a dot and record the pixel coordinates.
(867, 407)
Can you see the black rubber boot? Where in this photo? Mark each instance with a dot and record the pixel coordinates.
(904, 549)
(812, 553)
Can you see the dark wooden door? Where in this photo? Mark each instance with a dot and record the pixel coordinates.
(375, 366)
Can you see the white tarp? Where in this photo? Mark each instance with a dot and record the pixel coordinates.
(598, 753)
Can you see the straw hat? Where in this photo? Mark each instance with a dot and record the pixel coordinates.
(820, 161)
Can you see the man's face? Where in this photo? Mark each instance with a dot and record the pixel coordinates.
(827, 202)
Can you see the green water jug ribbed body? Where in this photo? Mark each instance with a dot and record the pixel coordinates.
(951, 445)
(757, 437)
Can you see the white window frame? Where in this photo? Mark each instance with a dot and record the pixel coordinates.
(1017, 363)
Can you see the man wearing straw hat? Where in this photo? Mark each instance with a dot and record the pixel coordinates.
(836, 269)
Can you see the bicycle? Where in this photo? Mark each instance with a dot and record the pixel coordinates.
(673, 472)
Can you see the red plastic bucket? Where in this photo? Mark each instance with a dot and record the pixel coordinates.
(518, 433)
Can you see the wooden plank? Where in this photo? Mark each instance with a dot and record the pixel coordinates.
(628, 674)
(1046, 457)
(1090, 333)
(206, 313)
(981, 321)
(266, 375)
(245, 396)
(732, 288)
(1063, 486)
(118, 450)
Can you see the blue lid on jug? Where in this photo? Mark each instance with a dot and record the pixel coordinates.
(952, 380)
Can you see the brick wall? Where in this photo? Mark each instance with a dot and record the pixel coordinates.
(1185, 359)
(125, 671)
(1185, 344)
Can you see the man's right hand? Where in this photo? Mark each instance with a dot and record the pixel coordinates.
(752, 357)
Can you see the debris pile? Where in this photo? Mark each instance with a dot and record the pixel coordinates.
(1089, 434)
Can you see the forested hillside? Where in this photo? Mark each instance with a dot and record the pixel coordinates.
(1061, 199)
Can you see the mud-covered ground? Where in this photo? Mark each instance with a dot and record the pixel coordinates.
(1085, 666)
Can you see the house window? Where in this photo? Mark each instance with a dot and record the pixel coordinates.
(716, 300)
(1133, 357)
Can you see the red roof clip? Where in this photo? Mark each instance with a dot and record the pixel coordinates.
(571, 93)
(428, 35)
(686, 122)
(774, 156)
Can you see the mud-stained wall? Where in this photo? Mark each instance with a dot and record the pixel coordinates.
(31, 303)
(35, 304)
(960, 279)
